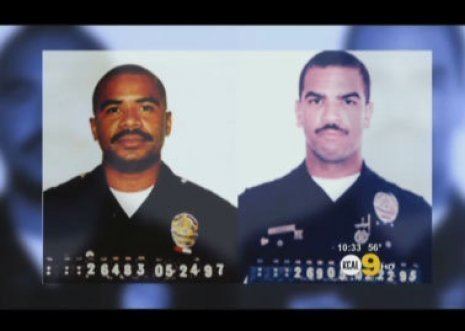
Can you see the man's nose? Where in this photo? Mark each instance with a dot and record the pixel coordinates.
(332, 112)
(131, 117)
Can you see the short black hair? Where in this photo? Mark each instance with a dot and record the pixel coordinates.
(126, 69)
(340, 59)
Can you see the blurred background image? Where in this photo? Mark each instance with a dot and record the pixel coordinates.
(21, 166)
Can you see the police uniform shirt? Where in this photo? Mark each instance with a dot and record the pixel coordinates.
(292, 219)
(82, 214)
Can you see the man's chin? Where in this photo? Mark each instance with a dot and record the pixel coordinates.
(131, 164)
(331, 157)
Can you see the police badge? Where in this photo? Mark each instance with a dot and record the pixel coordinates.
(386, 207)
(184, 231)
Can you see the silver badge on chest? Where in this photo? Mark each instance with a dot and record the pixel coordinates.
(386, 207)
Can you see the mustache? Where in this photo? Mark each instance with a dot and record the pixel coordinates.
(126, 132)
(331, 126)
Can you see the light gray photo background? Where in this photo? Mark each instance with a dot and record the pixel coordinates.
(234, 122)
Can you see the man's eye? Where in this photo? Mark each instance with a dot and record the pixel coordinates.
(314, 101)
(112, 110)
(350, 102)
(147, 108)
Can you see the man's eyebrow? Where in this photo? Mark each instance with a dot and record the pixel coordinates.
(313, 94)
(149, 99)
(109, 102)
(350, 95)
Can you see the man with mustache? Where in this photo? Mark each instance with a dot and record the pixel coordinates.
(299, 227)
(133, 205)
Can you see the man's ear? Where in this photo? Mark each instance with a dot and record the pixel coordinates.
(93, 127)
(299, 114)
(367, 115)
(168, 123)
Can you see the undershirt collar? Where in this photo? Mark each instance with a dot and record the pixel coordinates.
(336, 187)
(131, 201)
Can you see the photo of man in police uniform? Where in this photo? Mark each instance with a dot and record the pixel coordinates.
(132, 204)
(332, 205)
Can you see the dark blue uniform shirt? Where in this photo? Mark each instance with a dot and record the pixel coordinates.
(82, 214)
(292, 219)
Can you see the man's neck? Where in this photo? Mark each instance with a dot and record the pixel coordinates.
(332, 170)
(132, 182)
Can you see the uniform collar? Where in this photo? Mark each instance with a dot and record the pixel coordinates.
(155, 199)
(303, 177)
(303, 173)
(166, 176)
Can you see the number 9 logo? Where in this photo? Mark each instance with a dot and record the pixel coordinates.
(371, 264)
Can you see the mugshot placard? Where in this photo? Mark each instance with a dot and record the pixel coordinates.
(135, 151)
(341, 188)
